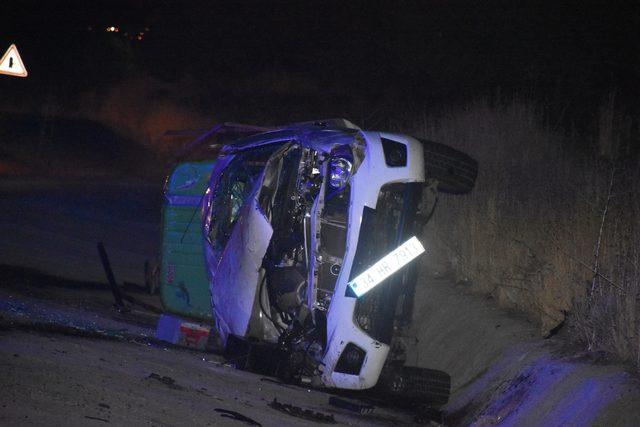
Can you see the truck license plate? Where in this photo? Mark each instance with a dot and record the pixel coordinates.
(388, 265)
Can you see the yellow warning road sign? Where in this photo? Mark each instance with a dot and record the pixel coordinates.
(11, 63)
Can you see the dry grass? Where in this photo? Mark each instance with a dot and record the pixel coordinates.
(608, 317)
(529, 232)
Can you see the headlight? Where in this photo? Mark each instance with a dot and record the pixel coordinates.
(339, 172)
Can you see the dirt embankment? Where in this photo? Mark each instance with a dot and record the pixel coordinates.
(503, 373)
(550, 232)
(551, 228)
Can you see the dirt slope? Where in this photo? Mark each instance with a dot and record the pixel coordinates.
(502, 373)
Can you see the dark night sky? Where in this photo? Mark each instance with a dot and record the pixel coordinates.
(397, 51)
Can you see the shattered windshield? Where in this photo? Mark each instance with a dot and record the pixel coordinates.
(233, 189)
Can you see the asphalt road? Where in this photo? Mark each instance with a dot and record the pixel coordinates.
(69, 357)
(56, 379)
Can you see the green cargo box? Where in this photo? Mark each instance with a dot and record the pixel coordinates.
(184, 288)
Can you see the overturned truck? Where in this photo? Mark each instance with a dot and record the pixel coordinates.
(292, 220)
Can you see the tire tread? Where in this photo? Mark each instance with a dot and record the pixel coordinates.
(455, 171)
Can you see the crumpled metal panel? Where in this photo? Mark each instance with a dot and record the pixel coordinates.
(235, 283)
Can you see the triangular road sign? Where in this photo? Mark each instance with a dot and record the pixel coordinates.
(11, 63)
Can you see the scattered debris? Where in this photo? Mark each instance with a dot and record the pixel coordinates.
(351, 406)
(177, 331)
(151, 277)
(226, 413)
(148, 307)
(271, 380)
(168, 381)
(97, 419)
(56, 328)
(305, 414)
(428, 414)
(280, 383)
(117, 294)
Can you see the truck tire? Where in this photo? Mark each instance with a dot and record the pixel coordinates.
(413, 384)
(454, 170)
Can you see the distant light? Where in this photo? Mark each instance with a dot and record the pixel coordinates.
(112, 29)
(388, 265)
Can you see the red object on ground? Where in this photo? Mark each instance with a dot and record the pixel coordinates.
(193, 335)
